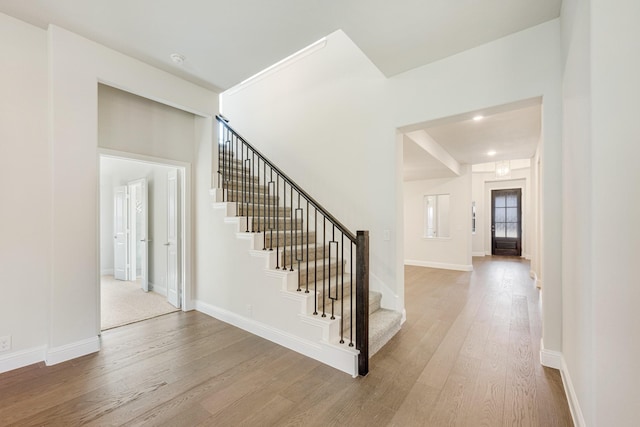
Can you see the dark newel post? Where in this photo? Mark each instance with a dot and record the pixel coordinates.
(362, 301)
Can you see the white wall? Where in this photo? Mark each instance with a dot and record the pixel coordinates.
(578, 322)
(453, 252)
(134, 124)
(615, 150)
(25, 176)
(49, 139)
(324, 121)
(76, 66)
(601, 320)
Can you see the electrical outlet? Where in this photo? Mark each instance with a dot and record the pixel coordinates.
(5, 343)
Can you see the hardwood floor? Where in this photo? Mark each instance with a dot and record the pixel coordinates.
(467, 355)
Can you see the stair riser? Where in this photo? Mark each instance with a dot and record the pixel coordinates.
(236, 186)
(244, 210)
(318, 274)
(286, 258)
(288, 238)
(238, 179)
(235, 196)
(274, 225)
(374, 305)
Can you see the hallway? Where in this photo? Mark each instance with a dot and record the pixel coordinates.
(467, 355)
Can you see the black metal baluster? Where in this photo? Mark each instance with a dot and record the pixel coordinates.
(315, 264)
(220, 145)
(284, 218)
(341, 268)
(307, 257)
(228, 170)
(269, 218)
(324, 257)
(263, 226)
(298, 259)
(291, 213)
(277, 219)
(246, 192)
(253, 191)
(351, 292)
(333, 299)
(238, 181)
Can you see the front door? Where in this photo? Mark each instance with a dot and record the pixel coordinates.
(506, 222)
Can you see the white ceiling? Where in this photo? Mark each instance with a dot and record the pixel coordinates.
(512, 131)
(225, 42)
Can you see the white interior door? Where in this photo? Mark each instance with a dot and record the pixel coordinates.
(139, 231)
(120, 231)
(173, 294)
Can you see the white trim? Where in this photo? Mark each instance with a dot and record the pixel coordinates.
(572, 397)
(162, 290)
(19, 359)
(63, 353)
(551, 359)
(345, 360)
(555, 360)
(442, 265)
(480, 253)
(106, 272)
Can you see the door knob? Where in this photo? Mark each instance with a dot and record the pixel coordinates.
(167, 244)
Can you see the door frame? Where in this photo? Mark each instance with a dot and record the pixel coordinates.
(186, 234)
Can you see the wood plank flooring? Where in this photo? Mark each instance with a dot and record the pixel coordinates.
(466, 356)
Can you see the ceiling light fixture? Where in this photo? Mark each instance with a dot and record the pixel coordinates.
(478, 118)
(503, 169)
(177, 58)
(491, 153)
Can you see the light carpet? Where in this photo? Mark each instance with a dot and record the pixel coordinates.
(125, 302)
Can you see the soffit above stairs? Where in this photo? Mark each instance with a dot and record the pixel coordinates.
(227, 42)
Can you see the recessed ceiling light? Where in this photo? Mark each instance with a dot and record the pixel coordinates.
(478, 118)
(491, 152)
(177, 58)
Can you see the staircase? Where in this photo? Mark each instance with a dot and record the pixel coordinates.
(320, 263)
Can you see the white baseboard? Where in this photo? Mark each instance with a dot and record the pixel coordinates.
(572, 397)
(162, 290)
(63, 353)
(20, 359)
(345, 360)
(481, 253)
(551, 359)
(107, 272)
(442, 265)
(555, 359)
